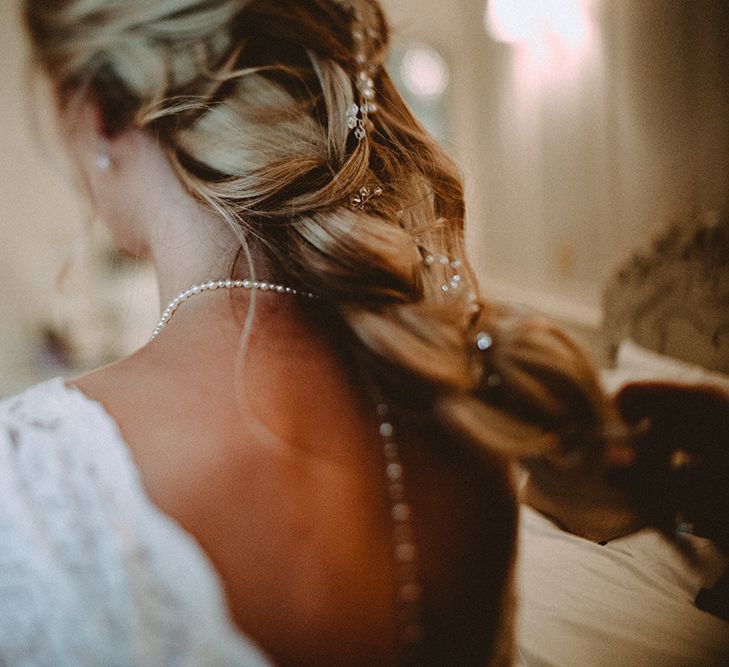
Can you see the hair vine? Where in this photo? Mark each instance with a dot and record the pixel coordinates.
(362, 33)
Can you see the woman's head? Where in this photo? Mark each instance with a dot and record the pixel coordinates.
(250, 101)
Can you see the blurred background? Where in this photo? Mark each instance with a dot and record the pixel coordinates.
(583, 127)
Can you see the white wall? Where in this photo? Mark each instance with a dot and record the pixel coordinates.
(588, 155)
(38, 213)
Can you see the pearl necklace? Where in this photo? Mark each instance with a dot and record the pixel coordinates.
(212, 285)
(409, 616)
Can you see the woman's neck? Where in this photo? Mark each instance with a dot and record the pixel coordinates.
(191, 254)
(151, 213)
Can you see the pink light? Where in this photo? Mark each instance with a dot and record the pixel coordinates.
(568, 21)
(513, 21)
(424, 71)
(531, 21)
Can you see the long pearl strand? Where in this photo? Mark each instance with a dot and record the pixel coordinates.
(212, 285)
(408, 587)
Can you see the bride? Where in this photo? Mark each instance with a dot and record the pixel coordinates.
(308, 463)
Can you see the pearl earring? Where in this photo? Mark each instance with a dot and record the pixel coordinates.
(103, 161)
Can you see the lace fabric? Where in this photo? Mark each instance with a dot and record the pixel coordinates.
(91, 572)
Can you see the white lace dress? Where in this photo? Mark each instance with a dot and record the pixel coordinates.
(91, 572)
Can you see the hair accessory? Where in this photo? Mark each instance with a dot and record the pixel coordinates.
(358, 113)
(363, 197)
(454, 280)
(484, 341)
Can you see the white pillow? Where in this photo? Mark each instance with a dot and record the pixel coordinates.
(635, 363)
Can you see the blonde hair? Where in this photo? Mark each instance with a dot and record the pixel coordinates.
(249, 101)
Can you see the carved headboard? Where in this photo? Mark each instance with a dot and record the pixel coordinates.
(673, 296)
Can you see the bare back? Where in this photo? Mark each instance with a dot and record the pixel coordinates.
(280, 480)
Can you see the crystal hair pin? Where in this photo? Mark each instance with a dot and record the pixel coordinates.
(484, 343)
(364, 196)
(452, 267)
(358, 113)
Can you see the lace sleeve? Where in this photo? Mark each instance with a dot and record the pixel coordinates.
(90, 572)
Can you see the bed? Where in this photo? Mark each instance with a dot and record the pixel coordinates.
(631, 601)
